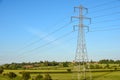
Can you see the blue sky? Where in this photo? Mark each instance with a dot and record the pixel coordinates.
(23, 22)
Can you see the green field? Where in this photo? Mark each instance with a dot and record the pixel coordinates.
(64, 75)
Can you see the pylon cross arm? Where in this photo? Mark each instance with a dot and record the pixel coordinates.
(80, 7)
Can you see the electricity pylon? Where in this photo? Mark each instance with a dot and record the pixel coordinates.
(81, 69)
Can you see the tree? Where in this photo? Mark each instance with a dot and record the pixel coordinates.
(46, 63)
(39, 77)
(68, 70)
(54, 63)
(13, 66)
(25, 75)
(12, 75)
(6, 66)
(119, 65)
(92, 66)
(65, 64)
(47, 77)
(107, 66)
(1, 70)
(104, 61)
(97, 66)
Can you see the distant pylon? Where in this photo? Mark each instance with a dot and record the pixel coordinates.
(81, 69)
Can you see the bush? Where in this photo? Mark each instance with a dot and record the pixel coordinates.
(1, 70)
(65, 64)
(47, 77)
(39, 77)
(115, 69)
(119, 65)
(98, 67)
(92, 67)
(107, 66)
(68, 70)
(25, 76)
(12, 75)
(5, 74)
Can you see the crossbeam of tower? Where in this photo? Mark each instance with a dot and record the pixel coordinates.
(81, 69)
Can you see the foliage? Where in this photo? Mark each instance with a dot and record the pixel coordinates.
(115, 69)
(119, 65)
(98, 66)
(107, 66)
(53, 63)
(47, 77)
(37, 65)
(109, 61)
(12, 66)
(25, 76)
(68, 70)
(39, 77)
(92, 66)
(12, 75)
(62, 74)
(1, 70)
(65, 64)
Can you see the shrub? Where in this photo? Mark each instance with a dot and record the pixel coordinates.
(25, 75)
(39, 77)
(107, 66)
(5, 74)
(115, 68)
(68, 70)
(92, 67)
(1, 70)
(47, 77)
(12, 75)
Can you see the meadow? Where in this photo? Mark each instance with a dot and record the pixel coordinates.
(64, 75)
(60, 71)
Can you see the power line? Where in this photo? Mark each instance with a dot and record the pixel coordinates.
(112, 29)
(106, 15)
(104, 26)
(51, 41)
(53, 47)
(34, 42)
(90, 31)
(104, 4)
(44, 45)
(105, 9)
(106, 21)
(45, 36)
(81, 1)
(109, 20)
(57, 31)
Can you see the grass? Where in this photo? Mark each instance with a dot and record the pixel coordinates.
(115, 75)
(7, 78)
(106, 76)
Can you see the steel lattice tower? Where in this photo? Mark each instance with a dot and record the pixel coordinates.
(81, 69)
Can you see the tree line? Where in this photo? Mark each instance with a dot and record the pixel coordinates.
(27, 65)
(109, 61)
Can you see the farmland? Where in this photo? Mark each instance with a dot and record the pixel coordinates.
(101, 70)
(64, 75)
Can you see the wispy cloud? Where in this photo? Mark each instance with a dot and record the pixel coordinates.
(44, 36)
